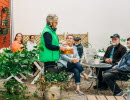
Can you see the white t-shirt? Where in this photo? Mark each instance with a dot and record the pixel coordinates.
(30, 45)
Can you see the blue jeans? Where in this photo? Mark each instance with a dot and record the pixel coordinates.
(76, 68)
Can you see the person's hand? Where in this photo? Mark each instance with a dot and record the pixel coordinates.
(110, 61)
(63, 48)
(114, 67)
(75, 60)
(107, 60)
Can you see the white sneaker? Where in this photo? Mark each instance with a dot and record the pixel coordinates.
(79, 92)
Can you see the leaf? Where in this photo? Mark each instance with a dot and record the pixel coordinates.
(16, 60)
(22, 55)
(25, 61)
(2, 74)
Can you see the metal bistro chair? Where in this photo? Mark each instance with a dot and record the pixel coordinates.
(88, 57)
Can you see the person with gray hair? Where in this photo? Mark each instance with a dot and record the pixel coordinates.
(49, 42)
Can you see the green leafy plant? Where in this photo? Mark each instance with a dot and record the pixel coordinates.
(17, 62)
(123, 40)
(15, 91)
(101, 50)
(49, 79)
(96, 56)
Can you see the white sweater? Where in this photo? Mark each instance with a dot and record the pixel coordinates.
(30, 45)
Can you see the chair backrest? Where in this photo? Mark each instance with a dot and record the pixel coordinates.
(89, 54)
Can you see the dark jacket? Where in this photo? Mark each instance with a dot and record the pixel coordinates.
(119, 51)
(80, 50)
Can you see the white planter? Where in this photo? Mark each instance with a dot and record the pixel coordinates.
(97, 61)
(101, 54)
(53, 93)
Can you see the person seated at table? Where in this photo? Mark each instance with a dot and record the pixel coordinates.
(77, 43)
(71, 62)
(118, 72)
(18, 43)
(30, 46)
(112, 56)
(31, 43)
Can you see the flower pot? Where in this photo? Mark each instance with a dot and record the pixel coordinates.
(53, 93)
(97, 61)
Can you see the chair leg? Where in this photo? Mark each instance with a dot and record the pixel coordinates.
(18, 79)
(22, 76)
(36, 72)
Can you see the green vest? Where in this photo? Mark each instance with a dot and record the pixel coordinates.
(46, 54)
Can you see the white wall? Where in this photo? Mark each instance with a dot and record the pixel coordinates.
(101, 18)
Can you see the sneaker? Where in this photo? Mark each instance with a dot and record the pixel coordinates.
(119, 94)
(79, 92)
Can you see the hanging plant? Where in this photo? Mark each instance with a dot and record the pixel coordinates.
(5, 22)
(5, 31)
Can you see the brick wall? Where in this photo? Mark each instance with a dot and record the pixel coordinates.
(4, 39)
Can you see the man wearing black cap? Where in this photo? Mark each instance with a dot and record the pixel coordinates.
(79, 46)
(112, 56)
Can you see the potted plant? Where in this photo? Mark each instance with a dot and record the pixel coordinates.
(15, 90)
(12, 64)
(101, 53)
(51, 84)
(96, 59)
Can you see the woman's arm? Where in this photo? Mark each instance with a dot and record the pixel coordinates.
(48, 42)
(66, 58)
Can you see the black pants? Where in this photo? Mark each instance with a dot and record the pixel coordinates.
(111, 77)
(49, 64)
(99, 73)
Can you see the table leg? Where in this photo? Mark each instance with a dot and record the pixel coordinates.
(97, 81)
(36, 78)
(15, 78)
(91, 72)
(36, 72)
(18, 79)
(9, 77)
(22, 76)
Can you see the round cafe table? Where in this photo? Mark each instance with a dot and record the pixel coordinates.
(99, 66)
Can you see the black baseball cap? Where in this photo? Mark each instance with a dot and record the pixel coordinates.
(77, 38)
(115, 35)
